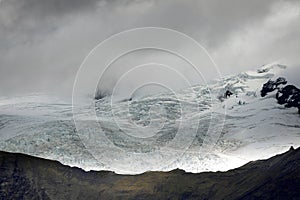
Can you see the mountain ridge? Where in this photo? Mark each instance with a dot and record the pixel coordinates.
(27, 177)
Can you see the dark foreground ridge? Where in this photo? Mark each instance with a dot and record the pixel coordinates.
(27, 177)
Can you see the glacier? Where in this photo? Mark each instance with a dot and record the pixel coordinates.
(194, 129)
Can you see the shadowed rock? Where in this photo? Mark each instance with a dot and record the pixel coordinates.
(288, 95)
(270, 86)
(228, 93)
(27, 177)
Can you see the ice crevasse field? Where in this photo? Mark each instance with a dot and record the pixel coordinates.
(195, 129)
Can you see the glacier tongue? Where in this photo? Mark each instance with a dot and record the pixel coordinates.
(192, 129)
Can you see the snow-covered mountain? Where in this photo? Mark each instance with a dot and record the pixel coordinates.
(195, 129)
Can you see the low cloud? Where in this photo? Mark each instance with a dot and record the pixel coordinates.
(43, 43)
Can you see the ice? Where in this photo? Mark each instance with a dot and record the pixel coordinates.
(192, 130)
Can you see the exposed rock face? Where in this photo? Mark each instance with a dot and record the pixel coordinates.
(27, 177)
(289, 96)
(270, 86)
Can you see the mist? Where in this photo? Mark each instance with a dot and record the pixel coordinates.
(43, 43)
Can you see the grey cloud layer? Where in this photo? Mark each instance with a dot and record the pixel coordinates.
(42, 43)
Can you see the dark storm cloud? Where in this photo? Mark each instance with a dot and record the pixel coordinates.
(43, 42)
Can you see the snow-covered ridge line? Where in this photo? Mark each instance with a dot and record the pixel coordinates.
(254, 127)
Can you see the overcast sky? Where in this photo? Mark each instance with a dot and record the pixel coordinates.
(43, 42)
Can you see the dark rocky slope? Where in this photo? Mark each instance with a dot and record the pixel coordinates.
(27, 177)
